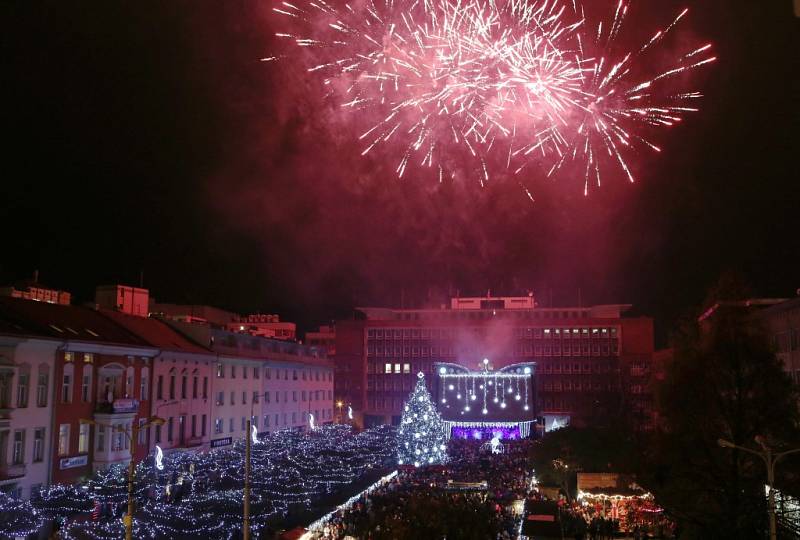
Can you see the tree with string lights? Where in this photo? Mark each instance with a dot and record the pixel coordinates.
(422, 437)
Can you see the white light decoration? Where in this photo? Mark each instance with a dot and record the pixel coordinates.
(349, 412)
(422, 434)
(290, 469)
(311, 421)
(450, 387)
(159, 458)
(254, 433)
(484, 411)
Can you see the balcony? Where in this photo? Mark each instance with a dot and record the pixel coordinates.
(10, 472)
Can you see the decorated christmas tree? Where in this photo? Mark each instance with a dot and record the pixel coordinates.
(422, 437)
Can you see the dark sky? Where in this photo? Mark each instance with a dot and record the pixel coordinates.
(148, 136)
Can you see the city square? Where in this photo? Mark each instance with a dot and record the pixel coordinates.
(387, 269)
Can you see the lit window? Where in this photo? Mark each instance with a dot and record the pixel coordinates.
(388, 368)
(63, 440)
(83, 438)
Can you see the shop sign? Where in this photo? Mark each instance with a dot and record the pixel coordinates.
(72, 462)
(225, 441)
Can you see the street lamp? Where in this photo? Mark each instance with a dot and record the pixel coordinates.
(132, 436)
(339, 405)
(770, 459)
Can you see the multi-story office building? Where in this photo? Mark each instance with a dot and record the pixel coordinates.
(584, 362)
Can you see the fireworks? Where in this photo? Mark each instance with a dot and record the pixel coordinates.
(490, 86)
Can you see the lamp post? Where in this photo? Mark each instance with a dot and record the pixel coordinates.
(132, 436)
(339, 406)
(770, 459)
(246, 524)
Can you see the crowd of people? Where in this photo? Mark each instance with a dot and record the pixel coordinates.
(473, 496)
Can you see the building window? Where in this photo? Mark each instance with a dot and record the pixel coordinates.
(18, 454)
(220, 371)
(294, 375)
(158, 433)
(194, 387)
(144, 384)
(22, 390)
(69, 357)
(244, 372)
(233, 398)
(83, 438)
(101, 437)
(183, 386)
(142, 435)
(63, 440)
(218, 425)
(266, 397)
(116, 440)
(203, 426)
(160, 387)
(294, 395)
(255, 397)
(294, 418)
(194, 425)
(266, 421)
(172, 386)
(169, 429)
(256, 372)
(244, 398)
(38, 445)
(268, 373)
(41, 387)
(66, 385)
(388, 368)
(244, 424)
(230, 425)
(88, 358)
(86, 385)
(303, 395)
(205, 387)
(233, 372)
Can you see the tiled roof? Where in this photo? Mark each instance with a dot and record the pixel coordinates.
(54, 321)
(155, 332)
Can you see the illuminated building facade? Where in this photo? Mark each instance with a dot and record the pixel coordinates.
(588, 363)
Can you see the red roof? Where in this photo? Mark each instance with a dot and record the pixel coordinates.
(41, 319)
(155, 332)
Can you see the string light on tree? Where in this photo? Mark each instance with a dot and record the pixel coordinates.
(422, 436)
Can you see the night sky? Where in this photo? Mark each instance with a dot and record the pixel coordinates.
(147, 137)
